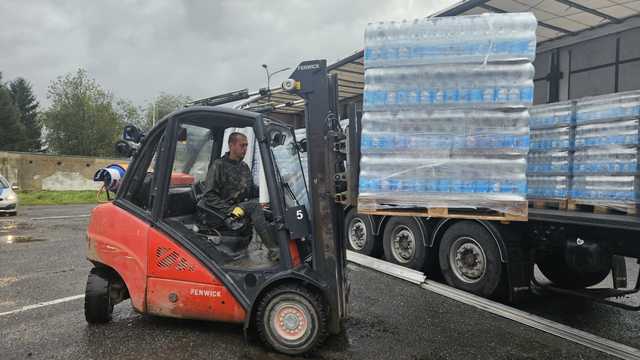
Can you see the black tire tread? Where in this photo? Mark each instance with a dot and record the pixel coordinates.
(490, 284)
(422, 259)
(373, 247)
(97, 306)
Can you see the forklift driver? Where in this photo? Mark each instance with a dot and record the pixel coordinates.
(230, 190)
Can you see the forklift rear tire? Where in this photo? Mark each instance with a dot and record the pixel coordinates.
(403, 243)
(359, 234)
(98, 306)
(291, 319)
(469, 258)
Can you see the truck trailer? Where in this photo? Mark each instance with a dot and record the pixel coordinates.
(582, 51)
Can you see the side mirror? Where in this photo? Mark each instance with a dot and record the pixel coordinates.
(277, 139)
(15, 187)
(302, 146)
(133, 134)
(125, 149)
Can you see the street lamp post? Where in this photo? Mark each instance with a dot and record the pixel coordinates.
(269, 75)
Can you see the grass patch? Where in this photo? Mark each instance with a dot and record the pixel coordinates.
(57, 197)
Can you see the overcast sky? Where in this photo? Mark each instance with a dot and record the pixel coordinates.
(137, 49)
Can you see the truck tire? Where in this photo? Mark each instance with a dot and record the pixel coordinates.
(98, 306)
(291, 319)
(470, 258)
(403, 243)
(554, 267)
(358, 234)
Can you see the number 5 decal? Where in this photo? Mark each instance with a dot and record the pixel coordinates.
(299, 215)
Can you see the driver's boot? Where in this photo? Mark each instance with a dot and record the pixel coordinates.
(267, 240)
(264, 231)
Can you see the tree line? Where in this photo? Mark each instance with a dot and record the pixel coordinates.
(82, 119)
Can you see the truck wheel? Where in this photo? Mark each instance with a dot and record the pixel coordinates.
(403, 243)
(470, 258)
(358, 234)
(291, 319)
(98, 306)
(554, 267)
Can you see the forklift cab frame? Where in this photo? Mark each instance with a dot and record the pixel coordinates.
(140, 250)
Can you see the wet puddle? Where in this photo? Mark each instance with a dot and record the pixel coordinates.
(13, 226)
(17, 239)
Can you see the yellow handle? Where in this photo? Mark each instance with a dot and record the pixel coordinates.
(238, 212)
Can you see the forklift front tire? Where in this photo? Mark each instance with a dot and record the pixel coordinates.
(98, 306)
(291, 319)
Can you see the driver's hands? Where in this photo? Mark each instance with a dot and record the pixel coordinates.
(234, 221)
(237, 212)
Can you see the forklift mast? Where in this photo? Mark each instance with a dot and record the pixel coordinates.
(327, 174)
(311, 81)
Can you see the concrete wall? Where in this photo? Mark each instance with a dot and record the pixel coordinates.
(51, 172)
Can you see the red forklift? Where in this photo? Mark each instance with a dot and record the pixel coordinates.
(158, 244)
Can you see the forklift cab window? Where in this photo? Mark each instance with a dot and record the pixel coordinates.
(291, 176)
(193, 154)
(140, 189)
(191, 160)
(231, 241)
(289, 167)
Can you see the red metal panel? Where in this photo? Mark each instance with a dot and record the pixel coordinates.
(168, 260)
(181, 179)
(180, 286)
(181, 299)
(295, 255)
(119, 240)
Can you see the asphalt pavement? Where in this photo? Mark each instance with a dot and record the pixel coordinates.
(606, 321)
(42, 258)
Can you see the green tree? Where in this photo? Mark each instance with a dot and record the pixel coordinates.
(27, 107)
(163, 105)
(130, 113)
(12, 130)
(82, 119)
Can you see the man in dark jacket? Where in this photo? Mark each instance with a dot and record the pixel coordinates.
(230, 190)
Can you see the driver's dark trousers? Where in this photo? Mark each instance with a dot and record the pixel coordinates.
(253, 209)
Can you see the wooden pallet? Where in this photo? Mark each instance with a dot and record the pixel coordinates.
(548, 204)
(579, 205)
(479, 214)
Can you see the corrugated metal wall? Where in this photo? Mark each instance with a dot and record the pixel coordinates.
(593, 67)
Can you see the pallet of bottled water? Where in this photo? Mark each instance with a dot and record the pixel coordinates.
(549, 161)
(607, 139)
(478, 39)
(548, 175)
(446, 122)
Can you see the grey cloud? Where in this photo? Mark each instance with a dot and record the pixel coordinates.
(137, 49)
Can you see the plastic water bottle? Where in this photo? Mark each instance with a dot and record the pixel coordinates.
(468, 39)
